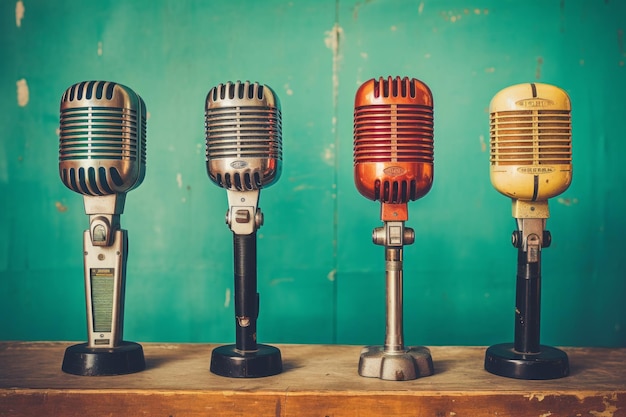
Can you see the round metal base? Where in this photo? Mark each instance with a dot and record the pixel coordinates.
(230, 362)
(504, 360)
(127, 358)
(412, 363)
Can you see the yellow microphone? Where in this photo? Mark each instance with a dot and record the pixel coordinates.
(531, 161)
(531, 146)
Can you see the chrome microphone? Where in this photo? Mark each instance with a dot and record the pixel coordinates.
(243, 155)
(531, 161)
(102, 155)
(393, 164)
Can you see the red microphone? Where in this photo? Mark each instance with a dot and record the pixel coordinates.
(393, 164)
(393, 143)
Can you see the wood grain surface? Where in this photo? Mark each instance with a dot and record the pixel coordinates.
(318, 380)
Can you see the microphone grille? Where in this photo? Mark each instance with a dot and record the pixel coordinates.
(531, 141)
(102, 141)
(393, 122)
(243, 135)
(393, 139)
(531, 137)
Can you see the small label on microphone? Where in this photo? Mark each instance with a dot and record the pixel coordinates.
(238, 164)
(394, 171)
(535, 102)
(535, 170)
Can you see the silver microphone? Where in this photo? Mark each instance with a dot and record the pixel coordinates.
(243, 155)
(243, 136)
(102, 155)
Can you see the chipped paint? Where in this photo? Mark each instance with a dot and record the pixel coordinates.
(100, 48)
(332, 40)
(329, 155)
(19, 13)
(567, 201)
(532, 396)
(303, 187)
(331, 275)
(483, 144)
(609, 407)
(227, 298)
(453, 16)
(61, 208)
(23, 96)
(277, 281)
(539, 65)
(288, 89)
(179, 180)
(420, 8)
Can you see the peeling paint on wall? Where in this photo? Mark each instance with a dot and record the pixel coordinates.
(19, 13)
(61, 208)
(539, 65)
(227, 298)
(331, 41)
(22, 93)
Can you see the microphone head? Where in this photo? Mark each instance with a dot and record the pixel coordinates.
(243, 136)
(531, 141)
(102, 142)
(393, 140)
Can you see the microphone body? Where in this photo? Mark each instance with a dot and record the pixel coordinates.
(102, 151)
(393, 143)
(531, 161)
(243, 155)
(531, 145)
(393, 164)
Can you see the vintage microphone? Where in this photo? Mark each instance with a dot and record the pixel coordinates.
(393, 163)
(102, 155)
(531, 161)
(243, 155)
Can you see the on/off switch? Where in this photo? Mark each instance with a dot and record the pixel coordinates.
(395, 235)
(242, 216)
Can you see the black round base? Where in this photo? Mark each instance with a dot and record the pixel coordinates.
(504, 360)
(126, 358)
(228, 361)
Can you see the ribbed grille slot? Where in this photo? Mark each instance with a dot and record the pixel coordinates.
(100, 133)
(394, 87)
(237, 90)
(92, 181)
(88, 90)
(393, 133)
(395, 191)
(531, 137)
(243, 132)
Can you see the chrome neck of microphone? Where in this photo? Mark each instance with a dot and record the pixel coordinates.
(393, 236)
(243, 217)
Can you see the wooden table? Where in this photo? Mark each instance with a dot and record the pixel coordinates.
(318, 380)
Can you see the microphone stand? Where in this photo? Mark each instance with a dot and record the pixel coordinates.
(526, 358)
(393, 361)
(246, 358)
(105, 251)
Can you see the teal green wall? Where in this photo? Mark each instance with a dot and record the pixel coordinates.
(320, 277)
